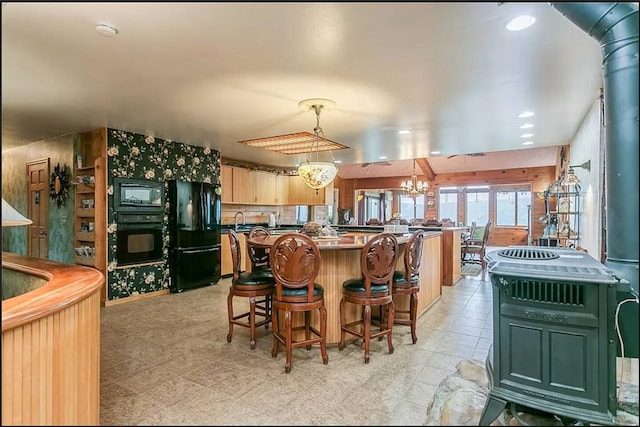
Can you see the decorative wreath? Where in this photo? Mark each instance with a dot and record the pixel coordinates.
(59, 185)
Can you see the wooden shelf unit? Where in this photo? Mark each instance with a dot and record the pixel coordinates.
(90, 226)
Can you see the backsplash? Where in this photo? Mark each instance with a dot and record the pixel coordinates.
(133, 155)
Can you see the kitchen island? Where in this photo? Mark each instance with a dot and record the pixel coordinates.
(340, 260)
(50, 342)
(451, 267)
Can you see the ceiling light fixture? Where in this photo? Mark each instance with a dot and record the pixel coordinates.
(520, 23)
(527, 143)
(404, 132)
(414, 187)
(526, 114)
(526, 135)
(317, 174)
(526, 126)
(107, 30)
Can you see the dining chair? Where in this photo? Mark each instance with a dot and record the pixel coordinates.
(473, 249)
(373, 288)
(259, 256)
(295, 261)
(407, 282)
(257, 287)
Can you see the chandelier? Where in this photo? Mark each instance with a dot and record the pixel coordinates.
(317, 174)
(414, 187)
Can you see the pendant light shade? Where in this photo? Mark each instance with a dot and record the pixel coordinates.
(317, 174)
(11, 217)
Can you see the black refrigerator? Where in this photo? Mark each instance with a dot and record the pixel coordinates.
(194, 234)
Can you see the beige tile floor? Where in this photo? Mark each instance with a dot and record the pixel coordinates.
(165, 361)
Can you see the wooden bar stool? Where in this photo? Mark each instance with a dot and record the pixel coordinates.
(407, 282)
(295, 262)
(258, 287)
(259, 257)
(377, 261)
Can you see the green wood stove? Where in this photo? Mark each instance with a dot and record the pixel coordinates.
(554, 338)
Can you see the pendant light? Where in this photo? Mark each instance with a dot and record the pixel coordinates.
(11, 217)
(414, 187)
(317, 174)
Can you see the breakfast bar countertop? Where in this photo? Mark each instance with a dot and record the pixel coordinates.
(345, 241)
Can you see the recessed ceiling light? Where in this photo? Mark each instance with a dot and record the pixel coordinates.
(435, 152)
(107, 30)
(526, 126)
(526, 135)
(526, 114)
(527, 143)
(382, 158)
(520, 22)
(337, 161)
(404, 132)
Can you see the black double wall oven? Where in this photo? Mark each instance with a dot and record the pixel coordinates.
(139, 208)
(194, 234)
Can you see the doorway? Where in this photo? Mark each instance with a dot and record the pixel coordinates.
(38, 208)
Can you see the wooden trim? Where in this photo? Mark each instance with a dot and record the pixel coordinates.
(67, 285)
(109, 303)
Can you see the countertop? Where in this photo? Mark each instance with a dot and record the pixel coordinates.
(344, 228)
(348, 241)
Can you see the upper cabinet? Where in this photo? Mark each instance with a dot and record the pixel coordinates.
(252, 187)
(299, 193)
(226, 182)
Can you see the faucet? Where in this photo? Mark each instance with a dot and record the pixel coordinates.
(235, 218)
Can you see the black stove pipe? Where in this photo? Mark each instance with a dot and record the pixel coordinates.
(615, 27)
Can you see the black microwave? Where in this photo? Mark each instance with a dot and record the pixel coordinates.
(137, 195)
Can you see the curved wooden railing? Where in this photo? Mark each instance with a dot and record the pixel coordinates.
(51, 345)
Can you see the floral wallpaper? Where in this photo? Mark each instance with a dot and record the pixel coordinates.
(132, 155)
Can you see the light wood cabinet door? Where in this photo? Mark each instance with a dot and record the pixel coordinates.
(226, 181)
(298, 193)
(226, 260)
(281, 189)
(265, 185)
(243, 186)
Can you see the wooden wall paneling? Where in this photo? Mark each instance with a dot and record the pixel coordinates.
(51, 368)
(538, 177)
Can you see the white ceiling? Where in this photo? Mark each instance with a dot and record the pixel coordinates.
(212, 74)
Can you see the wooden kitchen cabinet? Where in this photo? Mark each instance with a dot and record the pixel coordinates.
(265, 188)
(254, 187)
(226, 267)
(298, 193)
(243, 186)
(226, 182)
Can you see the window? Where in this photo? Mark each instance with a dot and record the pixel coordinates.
(512, 206)
(477, 205)
(411, 208)
(448, 203)
(372, 207)
(302, 214)
(504, 205)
